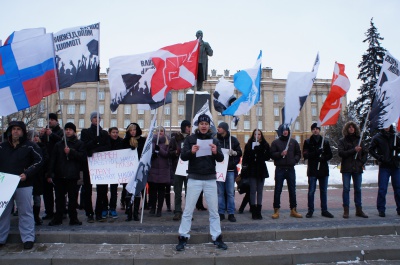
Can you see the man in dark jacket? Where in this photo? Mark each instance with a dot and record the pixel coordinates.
(201, 177)
(318, 155)
(285, 157)
(50, 136)
(174, 150)
(64, 168)
(228, 187)
(354, 156)
(18, 156)
(94, 143)
(386, 149)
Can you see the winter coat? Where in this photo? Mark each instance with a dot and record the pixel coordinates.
(141, 141)
(204, 165)
(42, 173)
(347, 151)
(315, 157)
(382, 149)
(25, 158)
(293, 154)
(224, 142)
(67, 167)
(254, 159)
(174, 150)
(94, 143)
(50, 141)
(159, 171)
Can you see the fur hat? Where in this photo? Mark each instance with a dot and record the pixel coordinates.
(184, 124)
(224, 126)
(70, 125)
(203, 117)
(93, 115)
(53, 116)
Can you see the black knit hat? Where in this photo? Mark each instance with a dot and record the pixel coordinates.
(184, 124)
(203, 117)
(53, 116)
(70, 125)
(224, 126)
(315, 125)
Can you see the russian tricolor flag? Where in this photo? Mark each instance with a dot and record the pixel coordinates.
(27, 72)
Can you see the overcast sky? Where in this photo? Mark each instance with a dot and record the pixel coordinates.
(290, 33)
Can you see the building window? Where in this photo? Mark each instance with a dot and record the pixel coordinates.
(276, 98)
(260, 125)
(82, 109)
(247, 113)
(41, 106)
(83, 95)
(153, 111)
(298, 138)
(276, 125)
(167, 123)
(323, 97)
(101, 123)
(313, 111)
(167, 110)
(313, 98)
(101, 109)
(60, 122)
(115, 112)
(233, 126)
(246, 125)
(61, 94)
(71, 109)
(72, 95)
(219, 121)
(179, 122)
(113, 123)
(81, 123)
(140, 123)
(127, 122)
(276, 112)
(101, 95)
(181, 96)
(181, 110)
(70, 120)
(40, 122)
(140, 111)
(127, 110)
(259, 111)
(297, 126)
(246, 138)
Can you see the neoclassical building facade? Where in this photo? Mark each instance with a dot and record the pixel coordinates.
(80, 100)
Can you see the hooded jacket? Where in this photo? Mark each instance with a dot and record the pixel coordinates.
(159, 171)
(347, 150)
(141, 140)
(293, 154)
(25, 158)
(383, 149)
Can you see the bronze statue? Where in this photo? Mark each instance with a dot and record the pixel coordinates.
(205, 51)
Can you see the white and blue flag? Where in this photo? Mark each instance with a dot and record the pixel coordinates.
(248, 82)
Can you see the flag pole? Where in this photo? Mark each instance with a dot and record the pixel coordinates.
(97, 107)
(2, 129)
(48, 120)
(395, 140)
(363, 131)
(230, 134)
(194, 100)
(61, 106)
(290, 135)
(322, 145)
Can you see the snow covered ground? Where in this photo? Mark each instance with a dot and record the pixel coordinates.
(370, 175)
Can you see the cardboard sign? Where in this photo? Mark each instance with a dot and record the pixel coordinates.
(113, 167)
(8, 184)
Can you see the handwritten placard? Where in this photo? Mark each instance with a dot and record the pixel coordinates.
(8, 184)
(220, 168)
(113, 167)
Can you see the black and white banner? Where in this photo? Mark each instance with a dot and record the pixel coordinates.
(77, 54)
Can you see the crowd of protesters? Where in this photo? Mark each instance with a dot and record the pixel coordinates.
(52, 161)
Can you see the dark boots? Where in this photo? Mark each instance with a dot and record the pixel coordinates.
(128, 211)
(36, 212)
(136, 206)
(258, 209)
(168, 201)
(360, 213)
(253, 210)
(345, 212)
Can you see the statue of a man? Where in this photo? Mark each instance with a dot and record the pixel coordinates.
(205, 51)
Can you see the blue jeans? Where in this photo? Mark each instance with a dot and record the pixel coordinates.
(280, 175)
(209, 188)
(357, 179)
(323, 187)
(227, 187)
(383, 181)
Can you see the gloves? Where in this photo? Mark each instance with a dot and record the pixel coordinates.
(157, 149)
(154, 156)
(232, 152)
(97, 139)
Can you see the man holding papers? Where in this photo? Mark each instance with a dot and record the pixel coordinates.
(201, 177)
